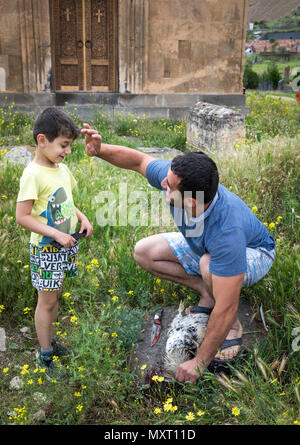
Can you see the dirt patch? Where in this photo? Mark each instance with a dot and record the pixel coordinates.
(148, 360)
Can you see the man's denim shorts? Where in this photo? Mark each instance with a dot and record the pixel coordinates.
(259, 260)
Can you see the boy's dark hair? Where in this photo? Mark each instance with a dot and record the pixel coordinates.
(198, 172)
(54, 122)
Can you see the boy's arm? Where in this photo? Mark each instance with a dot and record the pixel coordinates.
(24, 218)
(117, 155)
(85, 224)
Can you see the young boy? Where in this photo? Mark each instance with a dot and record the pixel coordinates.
(45, 207)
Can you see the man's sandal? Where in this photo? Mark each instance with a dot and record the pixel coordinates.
(199, 310)
(218, 366)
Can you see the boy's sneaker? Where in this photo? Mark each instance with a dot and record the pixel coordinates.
(53, 369)
(58, 349)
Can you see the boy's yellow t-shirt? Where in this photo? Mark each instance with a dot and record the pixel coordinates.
(51, 190)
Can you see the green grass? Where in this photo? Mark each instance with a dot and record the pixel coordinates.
(102, 311)
(271, 116)
(262, 63)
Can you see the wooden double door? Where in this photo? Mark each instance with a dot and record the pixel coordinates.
(84, 44)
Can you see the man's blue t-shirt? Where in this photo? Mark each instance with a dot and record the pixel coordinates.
(224, 230)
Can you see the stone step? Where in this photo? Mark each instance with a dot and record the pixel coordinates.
(88, 104)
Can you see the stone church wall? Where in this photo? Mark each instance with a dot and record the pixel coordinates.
(182, 46)
(164, 46)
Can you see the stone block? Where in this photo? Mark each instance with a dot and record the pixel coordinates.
(2, 340)
(211, 127)
(18, 155)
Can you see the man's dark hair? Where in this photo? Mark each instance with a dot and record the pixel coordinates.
(54, 122)
(197, 172)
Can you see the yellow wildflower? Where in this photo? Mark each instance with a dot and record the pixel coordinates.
(94, 261)
(79, 408)
(25, 370)
(167, 406)
(235, 411)
(26, 310)
(190, 416)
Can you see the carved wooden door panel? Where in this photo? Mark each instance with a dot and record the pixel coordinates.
(84, 45)
(101, 53)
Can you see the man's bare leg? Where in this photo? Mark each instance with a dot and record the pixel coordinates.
(155, 255)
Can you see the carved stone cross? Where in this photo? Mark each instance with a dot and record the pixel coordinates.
(99, 15)
(67, 13)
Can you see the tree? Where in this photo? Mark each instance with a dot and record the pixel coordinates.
(273, 75)
(250, 79)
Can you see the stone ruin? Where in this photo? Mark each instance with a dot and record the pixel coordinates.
(211, 127)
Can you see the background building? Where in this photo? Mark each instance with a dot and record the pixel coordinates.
(142, 47)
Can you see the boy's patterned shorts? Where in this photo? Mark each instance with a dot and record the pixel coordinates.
(50, 266)
(259, 260)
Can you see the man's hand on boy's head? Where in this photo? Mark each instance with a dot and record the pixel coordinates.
(92, 141)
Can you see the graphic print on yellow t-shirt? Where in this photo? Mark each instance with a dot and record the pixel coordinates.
(58, 213)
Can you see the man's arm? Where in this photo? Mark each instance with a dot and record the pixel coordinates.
(226, 292)
(122, 157)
